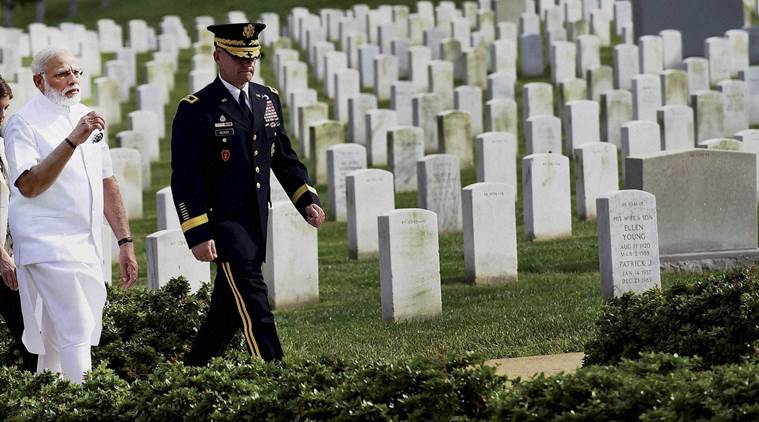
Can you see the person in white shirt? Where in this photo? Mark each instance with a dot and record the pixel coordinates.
(62, 187)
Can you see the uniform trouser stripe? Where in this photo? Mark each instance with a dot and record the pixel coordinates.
(247, 324)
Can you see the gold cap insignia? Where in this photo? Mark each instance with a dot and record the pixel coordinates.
(247, 32)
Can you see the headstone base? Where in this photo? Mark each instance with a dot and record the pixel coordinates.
(709, 261)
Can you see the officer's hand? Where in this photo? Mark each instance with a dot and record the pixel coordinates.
(89, 122)
(127, 265)
(205, 251)
(314, 215)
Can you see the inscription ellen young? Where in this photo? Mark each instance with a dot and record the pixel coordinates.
(628, 242)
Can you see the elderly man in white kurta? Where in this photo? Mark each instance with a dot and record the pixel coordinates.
(63, 185)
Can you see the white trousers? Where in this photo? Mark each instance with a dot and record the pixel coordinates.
(62, 304)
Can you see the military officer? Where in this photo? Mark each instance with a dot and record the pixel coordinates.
(225, 140)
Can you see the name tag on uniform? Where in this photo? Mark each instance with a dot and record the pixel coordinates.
(224, 132)
(224, 124)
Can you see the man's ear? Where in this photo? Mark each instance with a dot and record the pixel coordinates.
(216, 55)
(39, 82)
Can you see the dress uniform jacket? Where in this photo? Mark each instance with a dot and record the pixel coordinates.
(221, 158)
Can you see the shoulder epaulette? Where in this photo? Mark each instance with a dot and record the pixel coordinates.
(274, 90)
(190, 99)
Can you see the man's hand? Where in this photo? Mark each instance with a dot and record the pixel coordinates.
(205, 251)
(314, 215)
(127, 265)
(8, 270)
(89, 122)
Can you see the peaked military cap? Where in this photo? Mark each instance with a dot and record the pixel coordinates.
(239, 39)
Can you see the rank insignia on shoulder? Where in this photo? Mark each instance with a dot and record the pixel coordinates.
(274, 90)
(190, 99)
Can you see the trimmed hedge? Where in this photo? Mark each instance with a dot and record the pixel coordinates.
(715, 319)
(654, 387)
(141, 328)
(250, 389)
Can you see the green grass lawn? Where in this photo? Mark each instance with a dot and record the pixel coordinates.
(551, 309)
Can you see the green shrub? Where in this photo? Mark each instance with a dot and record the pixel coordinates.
(141, 328)
(715, 319)
(652, 388)
(246, 388)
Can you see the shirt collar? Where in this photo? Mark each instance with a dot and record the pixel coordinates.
(233, 89)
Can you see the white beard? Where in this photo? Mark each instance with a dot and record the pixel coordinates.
(60, 98)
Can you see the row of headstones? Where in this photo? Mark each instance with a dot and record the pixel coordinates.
(406, 240)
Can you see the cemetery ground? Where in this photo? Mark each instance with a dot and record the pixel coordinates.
(551, 309)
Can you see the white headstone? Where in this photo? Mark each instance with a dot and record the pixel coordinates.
(419, 58)
(588, 54)
(309, 115)
(674, 86)
(333, 61)
(639, 137)
(409, 265)
(583, 123)
(324, 134)
(677, 127)
(538, 99)
(626, 65)
(596, 174)
(137, 140)
(628, 242)
(547, 200)
(440, 189)
(709, 111)
(169, 257)
(647, 99)
(736, 101)
(750, 142)
(468, 98)
(358, 106)
(738, 42)
(298, 98)
(672, 48)
(455, 136)
(426, 107)
(347, 85)
(490, 233)
(369, 195)
(543, 134)
(751, 77)
(166, 212)
(698, 74)
(401, 96)
(378, 121)
(149, 99)
(366, 56)
(440, 74)
(717, 50)
(341, 160)
(616, 110)
(405, 146)
(496, 157)
(127, 169)
(291, 271)
(385, 73)
(563, 57)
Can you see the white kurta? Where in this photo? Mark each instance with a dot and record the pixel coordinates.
(64, 223)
